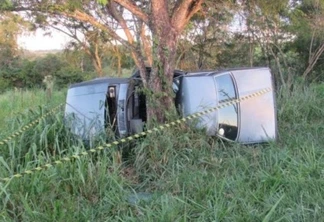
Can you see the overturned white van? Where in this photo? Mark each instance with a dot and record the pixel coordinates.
(115, 103)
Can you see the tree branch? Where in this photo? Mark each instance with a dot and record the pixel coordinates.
(134, 9)
(135, 51)
(73, 36)
(84, 17)
(311, 47)
(314, 58)
(147, 47)
(111, 7)
(183, 12)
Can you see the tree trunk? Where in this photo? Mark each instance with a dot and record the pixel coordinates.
(160, 99)
(117, 54)
(165, 39)
(97, 60)
(97, 65)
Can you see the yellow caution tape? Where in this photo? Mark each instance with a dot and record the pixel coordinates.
(28, 126)
(135, 136)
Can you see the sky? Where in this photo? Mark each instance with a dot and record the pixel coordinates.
(37, 41)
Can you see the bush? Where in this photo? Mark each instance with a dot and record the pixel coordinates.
(67, 75)
(4, 84)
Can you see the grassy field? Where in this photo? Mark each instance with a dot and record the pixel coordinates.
(176, 175)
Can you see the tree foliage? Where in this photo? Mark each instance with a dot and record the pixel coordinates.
(11, 25)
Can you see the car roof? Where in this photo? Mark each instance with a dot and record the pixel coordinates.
(100, 81)
(177, 72)
(216, 72)
(110, 80)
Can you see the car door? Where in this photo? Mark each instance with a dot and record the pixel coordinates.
(197, 93)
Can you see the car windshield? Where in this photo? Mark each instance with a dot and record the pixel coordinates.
(228, 116)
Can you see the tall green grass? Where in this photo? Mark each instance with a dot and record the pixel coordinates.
(175, 175)
(20, 103)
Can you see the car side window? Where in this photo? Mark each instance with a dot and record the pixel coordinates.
(228, 116)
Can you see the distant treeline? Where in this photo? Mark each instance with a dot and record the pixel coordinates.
(27, 72)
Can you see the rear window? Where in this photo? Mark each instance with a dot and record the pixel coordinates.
(228, 116)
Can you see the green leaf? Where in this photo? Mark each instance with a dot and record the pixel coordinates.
(6, 4)
(102, 2)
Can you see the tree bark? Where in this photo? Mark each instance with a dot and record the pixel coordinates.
(164, 46)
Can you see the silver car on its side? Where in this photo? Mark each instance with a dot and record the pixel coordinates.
(93, 107)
